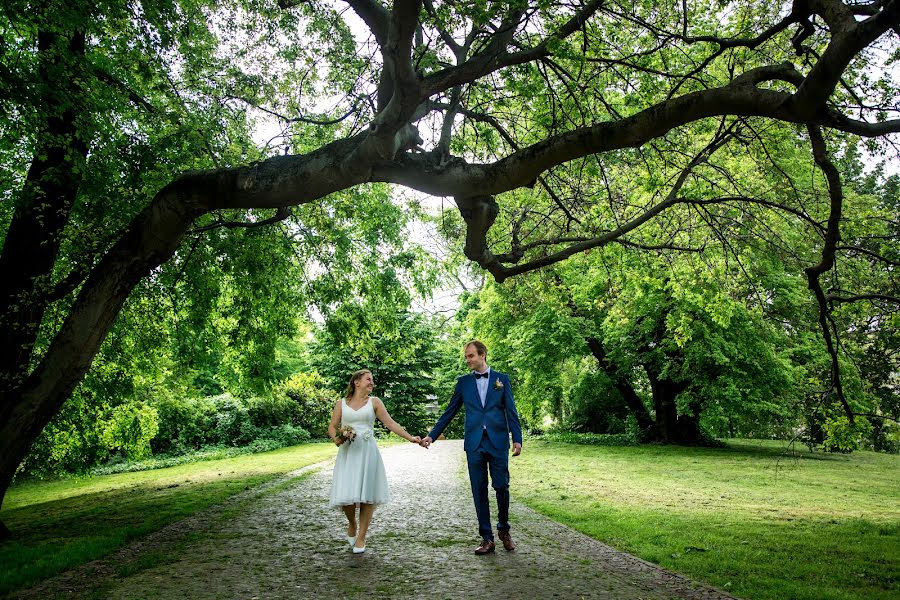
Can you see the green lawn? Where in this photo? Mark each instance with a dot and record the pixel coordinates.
(64, 523)
(751, 518)
(746, 518)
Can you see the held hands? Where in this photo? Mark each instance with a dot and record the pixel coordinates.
(426, 441)
(415, 439)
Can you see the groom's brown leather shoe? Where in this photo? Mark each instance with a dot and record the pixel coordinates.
(486, 547)
(507, 540)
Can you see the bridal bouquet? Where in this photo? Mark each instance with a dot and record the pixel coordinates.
(346, 433)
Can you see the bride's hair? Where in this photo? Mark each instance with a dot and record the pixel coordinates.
(351, 387)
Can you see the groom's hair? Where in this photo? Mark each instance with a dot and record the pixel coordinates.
(480, 348)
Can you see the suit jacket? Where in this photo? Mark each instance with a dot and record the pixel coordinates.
(498, 415)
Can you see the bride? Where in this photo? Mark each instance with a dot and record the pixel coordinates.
(359, 478)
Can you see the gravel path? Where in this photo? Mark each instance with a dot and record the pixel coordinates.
(282, 541)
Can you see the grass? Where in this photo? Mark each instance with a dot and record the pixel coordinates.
(63, 523)
(749, 518)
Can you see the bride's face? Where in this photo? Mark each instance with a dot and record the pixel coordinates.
(365, 383)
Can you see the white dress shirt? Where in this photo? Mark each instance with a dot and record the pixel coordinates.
(482, 384)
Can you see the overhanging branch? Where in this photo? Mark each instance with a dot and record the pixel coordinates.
(859, 297)
(832, 236)
(476, 233)
(282, 213)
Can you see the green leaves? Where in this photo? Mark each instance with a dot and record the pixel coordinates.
(401, 350)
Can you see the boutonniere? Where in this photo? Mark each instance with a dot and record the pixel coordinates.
(498, 385)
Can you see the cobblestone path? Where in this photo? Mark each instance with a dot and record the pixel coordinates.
(283, 541)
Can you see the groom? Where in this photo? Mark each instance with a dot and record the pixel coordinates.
(490, 417)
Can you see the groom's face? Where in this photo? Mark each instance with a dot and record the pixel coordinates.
(475, 361)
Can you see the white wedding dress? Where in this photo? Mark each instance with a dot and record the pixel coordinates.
(359, 474)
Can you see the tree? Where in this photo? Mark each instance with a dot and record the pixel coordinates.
(668, 340)
(400, 350)
(520, 97)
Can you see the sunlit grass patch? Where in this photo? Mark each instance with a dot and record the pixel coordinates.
(749, 517)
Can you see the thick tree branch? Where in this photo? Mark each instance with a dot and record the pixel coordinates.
(858, 297)
(455, 47)
(848, 39)
(477, 226)
(375, 16)
(870, 253)
(485, 63)
(832, 236)
(282, 213)
(391, 130)
(498, 127)
(457, 177)
(34, 235)
(502, 36)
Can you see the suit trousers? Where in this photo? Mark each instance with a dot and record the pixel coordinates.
(479, 461)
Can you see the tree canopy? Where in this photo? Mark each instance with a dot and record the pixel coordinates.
(126, 143)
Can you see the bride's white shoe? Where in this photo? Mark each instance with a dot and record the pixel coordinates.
(351, 540)
(358, 550)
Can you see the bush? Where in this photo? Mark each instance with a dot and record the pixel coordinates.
(277, 409)
(86, 433)
(312, 403)
(885, 436)
(277, 437)
(188, 424)
(123, 437)
(129, 429)
(841, 436)
(232, 424)
(184, 425)
(595, 406)
(285, 434)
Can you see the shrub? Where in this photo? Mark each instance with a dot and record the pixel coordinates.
(232, 422)
(313, 403)
(285, 434)
(277, 409)
(184, 425)
(841, 436)
(129, 429)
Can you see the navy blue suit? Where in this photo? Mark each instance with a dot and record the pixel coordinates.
(486, 442)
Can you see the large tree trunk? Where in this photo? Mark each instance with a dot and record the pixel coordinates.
(35, 232)
(624, 387)
(672, 428)
(150, 241)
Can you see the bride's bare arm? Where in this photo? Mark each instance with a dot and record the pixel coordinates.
(383, 416)
(335, 421)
